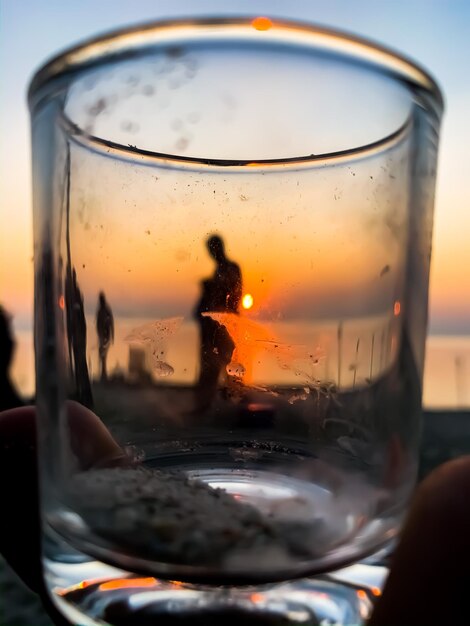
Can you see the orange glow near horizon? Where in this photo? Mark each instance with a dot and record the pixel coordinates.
(146, 266)
(305, 260)
(132, 269)
(247, 301)
(147, 261)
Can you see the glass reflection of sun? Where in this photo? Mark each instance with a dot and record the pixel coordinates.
(247, 301)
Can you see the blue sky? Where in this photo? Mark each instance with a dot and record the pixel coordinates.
(433, 32)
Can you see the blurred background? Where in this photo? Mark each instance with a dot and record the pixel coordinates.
(432, 32)
(435, 33)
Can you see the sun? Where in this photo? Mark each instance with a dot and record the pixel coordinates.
(247, 301)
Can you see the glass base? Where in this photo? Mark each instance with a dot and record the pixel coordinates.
(105, 595)
(268, 527)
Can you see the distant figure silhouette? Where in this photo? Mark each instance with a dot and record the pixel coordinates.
(105, 331)
(76, 329)
(220, 293)
(68, 288)
(9, 398)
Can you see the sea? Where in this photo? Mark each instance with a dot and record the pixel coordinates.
(358, 354)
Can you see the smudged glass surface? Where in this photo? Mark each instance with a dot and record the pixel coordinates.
(232, 244)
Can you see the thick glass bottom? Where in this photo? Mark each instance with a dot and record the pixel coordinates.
(103, 595)
(221, 525)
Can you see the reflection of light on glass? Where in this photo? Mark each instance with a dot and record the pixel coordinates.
(257, 597)
(396, 308)
(258, 406)
(249, 337)
(81, 585)
(62, 302)
(128, 583)
(376, 591)
(261, 23)
(253, 339)
(247, 301)
(363, 610)
(363, 604)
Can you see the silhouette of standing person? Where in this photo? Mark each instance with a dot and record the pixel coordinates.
(105, 331)
(9, 398)
(76, 329)
(220, 293)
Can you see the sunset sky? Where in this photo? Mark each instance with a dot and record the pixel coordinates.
(304, 250)
(434, 33)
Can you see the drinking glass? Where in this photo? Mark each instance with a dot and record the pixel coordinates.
(232, 228)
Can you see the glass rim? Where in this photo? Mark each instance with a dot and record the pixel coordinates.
(131, 42)
(173, 161)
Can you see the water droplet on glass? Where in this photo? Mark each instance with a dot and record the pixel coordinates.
(98, 107)
(235, 369)
(162, 369)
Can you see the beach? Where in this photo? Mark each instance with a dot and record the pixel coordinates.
(446, 375)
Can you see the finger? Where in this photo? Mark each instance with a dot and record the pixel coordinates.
(429, 573)
(92, 446)
(19, 519)
(91, 442)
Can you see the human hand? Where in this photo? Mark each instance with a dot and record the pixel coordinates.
(427, 584)
(92, 445)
